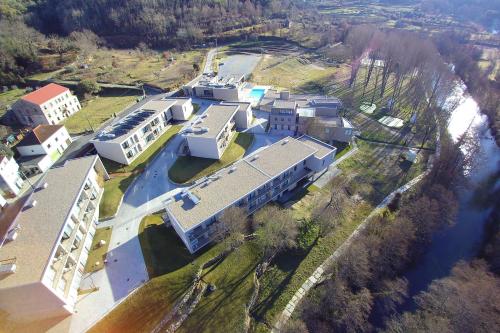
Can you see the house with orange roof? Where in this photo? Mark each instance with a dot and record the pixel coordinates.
(48, 105)
(42, 147)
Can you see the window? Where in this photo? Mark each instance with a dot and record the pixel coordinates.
(304, 163)
(295, 168)
(57, 139)
(48, 146)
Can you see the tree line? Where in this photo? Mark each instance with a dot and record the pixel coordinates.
(365, 288)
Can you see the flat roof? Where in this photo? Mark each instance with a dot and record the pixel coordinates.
(284, 104)
(158, 105)
(322, 149)
(227, 186)
(40, 226)
(213, 120)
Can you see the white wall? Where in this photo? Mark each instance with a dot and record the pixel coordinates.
(31, 301)
(182, 111)
(9, 176)
(111, 150)
(203, 147)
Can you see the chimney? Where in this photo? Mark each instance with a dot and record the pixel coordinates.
(285, 94)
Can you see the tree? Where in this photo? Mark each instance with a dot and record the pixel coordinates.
(88, 86)
(231, 227)
(196, 67)
(391, 294)
(276, 231)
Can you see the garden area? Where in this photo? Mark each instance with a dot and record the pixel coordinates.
(166, 69)
(98, 249)
(190, 168)
(172, 268)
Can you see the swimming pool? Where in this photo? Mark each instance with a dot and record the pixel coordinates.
(257, 93)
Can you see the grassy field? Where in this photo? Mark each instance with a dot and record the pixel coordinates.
(189, 168)
(377, 172)
(293, 73)
(96, 111)
(98, 253)
(132, 67)
(123, 175)
(172, 269)
(8, 98)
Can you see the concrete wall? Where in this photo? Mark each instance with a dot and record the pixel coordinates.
(31, 302)
(23, 109)
(182, 112)
(10, 181)
(203, 147)
(111, 150)
(243, 117)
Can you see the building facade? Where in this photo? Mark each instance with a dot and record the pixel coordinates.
(49, 105)
(44, 250)
(222, 88)
(250, 183)
(10, 180)
(126, 139)
(213, 131)
(42, 147)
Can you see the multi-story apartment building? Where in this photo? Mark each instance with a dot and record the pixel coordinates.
(10, 181)
(222, 88)
(250, 183)
(42, 147)
(212, 132)
(125, 139)
(50, 105)
(318, 116)
(48, 235)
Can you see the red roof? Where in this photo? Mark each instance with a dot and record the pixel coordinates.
(39, 135)
(45, 93)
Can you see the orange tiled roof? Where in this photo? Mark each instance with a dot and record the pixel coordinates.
(39, 135)
(45, 93)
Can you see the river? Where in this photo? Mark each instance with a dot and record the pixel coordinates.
(462, 240)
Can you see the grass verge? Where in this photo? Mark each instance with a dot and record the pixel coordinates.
(123, 175)
(173, 268)
(96, 111)
(98, 253)
(190, 168)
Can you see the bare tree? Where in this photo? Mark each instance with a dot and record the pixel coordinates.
(276, 231)
(231, 227)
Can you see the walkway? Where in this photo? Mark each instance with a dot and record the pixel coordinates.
(332, 171)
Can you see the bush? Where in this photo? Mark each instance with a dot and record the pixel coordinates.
(88, 86)
(308, 232)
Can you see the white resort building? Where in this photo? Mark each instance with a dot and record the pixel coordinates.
(127, 137)
(49, 105)
(212, 132)
(45, 238)
(10, 180)
(222, 88)
(250, 183)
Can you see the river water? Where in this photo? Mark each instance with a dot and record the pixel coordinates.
(462, 240)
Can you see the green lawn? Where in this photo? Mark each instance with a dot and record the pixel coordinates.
(172, 269)
(189, 168)
(96, 111)
(8, 98)
(115, 188)
(98, 253)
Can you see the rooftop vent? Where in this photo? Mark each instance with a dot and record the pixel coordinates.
(193, 198)
(32, 204)
(233, 169)
(285, 141)
(256, 157)
(42, 186)
(205, 115)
